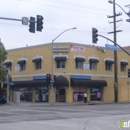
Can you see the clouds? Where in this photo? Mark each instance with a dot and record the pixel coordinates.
(60, 15)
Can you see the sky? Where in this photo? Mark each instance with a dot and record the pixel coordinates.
(60, 15)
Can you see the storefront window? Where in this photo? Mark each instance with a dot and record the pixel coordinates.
(95, 94)
(41, 94)
(25, 94)
(78, 94)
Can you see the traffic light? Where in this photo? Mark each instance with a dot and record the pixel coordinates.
(94, 35)
(48, 79)
(32, 25)
(39, 23)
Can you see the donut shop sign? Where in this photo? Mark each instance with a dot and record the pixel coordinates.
(77, 48)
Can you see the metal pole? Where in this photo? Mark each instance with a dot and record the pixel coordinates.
(0, 65)
(128, 91)
(52, 74)
(10, 19)
(8, 82)
(52, 77)
(115, 55)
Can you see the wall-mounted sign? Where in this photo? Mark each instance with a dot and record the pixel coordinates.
(79, 89)
(39, 77)
(17, 68)
(80, 77)
(77, 48)
(60, 49)
(86, 66)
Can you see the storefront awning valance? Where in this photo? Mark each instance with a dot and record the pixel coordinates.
(80, 59)
(61, 81)
(94, 60)
(29, 83)
(109, 61)
(60, 58)
(88, 83)
(21, 61)
(8, 63)
(124, 63)
(37, 60)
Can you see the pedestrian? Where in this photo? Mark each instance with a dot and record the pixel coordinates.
(85, 97)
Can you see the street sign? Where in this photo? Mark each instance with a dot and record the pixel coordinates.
(110, 47)
(25, 20)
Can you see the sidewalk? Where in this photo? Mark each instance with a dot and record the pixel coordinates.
(64, 104)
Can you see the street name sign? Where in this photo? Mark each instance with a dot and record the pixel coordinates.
(110, 47)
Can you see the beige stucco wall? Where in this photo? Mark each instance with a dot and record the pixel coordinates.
(99, 74)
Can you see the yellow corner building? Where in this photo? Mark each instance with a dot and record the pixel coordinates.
(78, 69)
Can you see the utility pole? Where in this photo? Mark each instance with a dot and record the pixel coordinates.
(0, 67)
(115, 55)
(115, 52)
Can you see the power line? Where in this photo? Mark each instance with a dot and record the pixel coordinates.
(79, 5)
(61, 7)
(54, 29)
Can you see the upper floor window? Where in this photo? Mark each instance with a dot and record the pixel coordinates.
(93, 64)
(22, 64)
(60, 62)
(38, 63)
(8, 65)
(123, 66)
(79, 62)
(22, 67)
(109, 65)
(129, 73)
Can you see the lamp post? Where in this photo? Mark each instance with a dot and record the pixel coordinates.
(128, 14)
(52, 80)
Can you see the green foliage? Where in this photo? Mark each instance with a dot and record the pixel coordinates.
(3, 57)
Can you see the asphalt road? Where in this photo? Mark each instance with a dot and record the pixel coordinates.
(26, 116)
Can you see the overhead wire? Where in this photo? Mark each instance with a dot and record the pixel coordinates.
(61, 7)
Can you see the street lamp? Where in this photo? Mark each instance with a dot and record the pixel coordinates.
(52, 80)
(128, 14)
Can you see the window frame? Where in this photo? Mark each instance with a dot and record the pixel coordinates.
(123, 68)
(60, 63)
(108, 65)
(22, 66)
(9, 66)
(79, 65)
(92, 65)
(38, 65)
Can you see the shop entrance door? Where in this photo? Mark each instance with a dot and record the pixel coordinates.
(61, 95)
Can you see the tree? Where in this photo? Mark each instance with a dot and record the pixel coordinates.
(3, 57)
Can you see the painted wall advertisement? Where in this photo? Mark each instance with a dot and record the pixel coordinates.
(86, 65)
(77, 48)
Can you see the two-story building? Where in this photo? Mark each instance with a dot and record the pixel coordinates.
(78, 68)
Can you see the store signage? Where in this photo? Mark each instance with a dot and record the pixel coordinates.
(39, 77)
(95, 89)
(17, 68)
(60, 49)
(86, 66)
(9, 83)
(79, 89)
(80, 77)
(77, 48)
